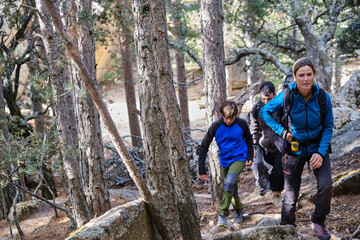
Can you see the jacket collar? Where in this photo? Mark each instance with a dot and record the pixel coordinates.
(294, 88)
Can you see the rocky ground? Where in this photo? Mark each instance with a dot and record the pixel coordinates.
(343, 220)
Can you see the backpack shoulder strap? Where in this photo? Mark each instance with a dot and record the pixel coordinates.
(321, 97)
(257, 109)
(286, 117)
(288, 97)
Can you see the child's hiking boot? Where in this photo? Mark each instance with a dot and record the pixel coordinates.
(262, 191)
(238, 218)
(222, 222)
(321, 230)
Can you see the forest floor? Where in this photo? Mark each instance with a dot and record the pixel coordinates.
(342, 221)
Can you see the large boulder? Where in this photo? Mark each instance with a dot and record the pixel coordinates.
(347, 183)
(344, 115)
(129, 221)
(351, 91)
(267, 228)
(342, 184)
(346, 140)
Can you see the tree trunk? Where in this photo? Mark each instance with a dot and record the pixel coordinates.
(48, 188)
(315, 45)
(130, 91)
(179, 33)
(182, 91)
(189, 220)
(157, 150)
(214, 83)
(92, 170)
(337, 72)
(74, 53)
(65, 115)
(5, 201)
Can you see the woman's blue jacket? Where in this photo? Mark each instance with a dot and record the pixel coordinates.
(306, 120)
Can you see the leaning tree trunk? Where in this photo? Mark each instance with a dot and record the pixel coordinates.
(74, 53)
(65, 115)
(91, 151)
(215, 81)
(130, 91)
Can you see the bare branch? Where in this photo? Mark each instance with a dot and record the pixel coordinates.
(36, 114)
(266, 55)
(188, 83)
(292, 48)
(188, 51)
(73, 223)
(30, 7)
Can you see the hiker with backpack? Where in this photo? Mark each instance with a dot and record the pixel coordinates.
(235, 145)
(265, 148)
(306, 127)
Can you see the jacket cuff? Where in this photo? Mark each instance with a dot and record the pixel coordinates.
(323, 157)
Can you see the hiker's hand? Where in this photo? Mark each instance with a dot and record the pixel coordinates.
(316, 160)
(248, 162)
(289, 136)
(203, 177)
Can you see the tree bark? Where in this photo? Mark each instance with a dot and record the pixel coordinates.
(157, 150)
(316, 48)
(189, 220)
(109, 123)
(91, 152)
(130, 91)
(6, 199)
(214, 83)
(179, 33)
(65, 114)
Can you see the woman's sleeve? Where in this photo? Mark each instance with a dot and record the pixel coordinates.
(273, 106)
(328, 125)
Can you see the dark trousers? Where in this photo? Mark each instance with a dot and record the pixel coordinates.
(276, 174)
(293, 168)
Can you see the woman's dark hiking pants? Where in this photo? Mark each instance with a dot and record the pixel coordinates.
(293, 168)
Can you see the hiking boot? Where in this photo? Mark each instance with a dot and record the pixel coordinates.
(276, 199)
(321, 230)
(222, 222)
(238, 218)
(262, 191)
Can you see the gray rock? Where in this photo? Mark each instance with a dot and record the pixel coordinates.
(344, 115)
(351, 91)
(349, 183)
(343, 184)
(346, 140)
(129, 221)
(267, 221)
(286, 232)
